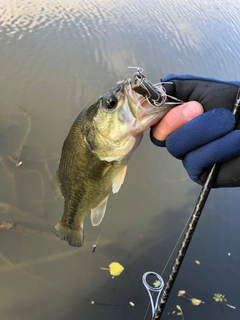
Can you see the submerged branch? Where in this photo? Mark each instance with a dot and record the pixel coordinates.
(8, 208)
(9, 263)
(32, 262)
(9, 225)
(10, 177)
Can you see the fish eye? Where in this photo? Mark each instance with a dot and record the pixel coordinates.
(111, 102)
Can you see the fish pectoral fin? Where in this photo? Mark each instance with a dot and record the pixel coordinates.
(56, 187)
(98, 213)
(118, 181)
(107, 167)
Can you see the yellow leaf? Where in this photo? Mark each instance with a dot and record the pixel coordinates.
(181, 293)
(196, 302)
(197, 262)
(115, 269)
(92, 302)
(131, 303)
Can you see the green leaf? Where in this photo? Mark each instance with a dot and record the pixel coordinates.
(218, 297)
(157, 283)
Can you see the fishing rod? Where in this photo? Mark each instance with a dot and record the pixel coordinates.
(193, 221)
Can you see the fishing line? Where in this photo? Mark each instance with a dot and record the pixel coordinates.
(94, 246)
(174, 248)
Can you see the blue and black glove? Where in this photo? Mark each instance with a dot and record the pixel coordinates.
(211, 137)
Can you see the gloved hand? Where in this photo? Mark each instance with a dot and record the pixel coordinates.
(208, 138)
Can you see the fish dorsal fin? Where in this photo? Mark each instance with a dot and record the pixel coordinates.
(56, 187)
(98, 213)
(118, 181)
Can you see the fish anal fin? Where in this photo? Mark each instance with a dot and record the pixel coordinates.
(118, 181)
(56, 187)
(98, 213)
(74, 237)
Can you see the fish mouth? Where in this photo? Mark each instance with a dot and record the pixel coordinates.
(138, 104)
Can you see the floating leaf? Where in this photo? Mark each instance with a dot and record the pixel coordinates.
(181, 293)
(218, 297)
(196, 302)
(115, 269)
(197, 262)
(179, 309)
(157, 283)
(92, 302)
(131, 304)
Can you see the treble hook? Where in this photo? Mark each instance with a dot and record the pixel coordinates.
(139, 72)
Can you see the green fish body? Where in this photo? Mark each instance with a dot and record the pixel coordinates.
(95, 154)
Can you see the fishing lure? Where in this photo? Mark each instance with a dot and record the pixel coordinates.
(155, 94)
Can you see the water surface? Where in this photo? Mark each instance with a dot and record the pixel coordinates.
(56, 57)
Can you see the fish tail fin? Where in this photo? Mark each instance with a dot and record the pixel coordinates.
(74, 237)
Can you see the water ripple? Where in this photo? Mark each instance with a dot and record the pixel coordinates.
(62, 35)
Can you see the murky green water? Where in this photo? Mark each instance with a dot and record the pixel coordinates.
(55, 58)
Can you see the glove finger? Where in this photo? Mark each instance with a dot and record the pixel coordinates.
(200, 131)
(229, 175)
(209, 92)
(218, 151)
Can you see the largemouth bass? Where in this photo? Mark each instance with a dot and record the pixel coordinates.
(96, 152)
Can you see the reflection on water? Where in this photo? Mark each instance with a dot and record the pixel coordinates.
(55, 58)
